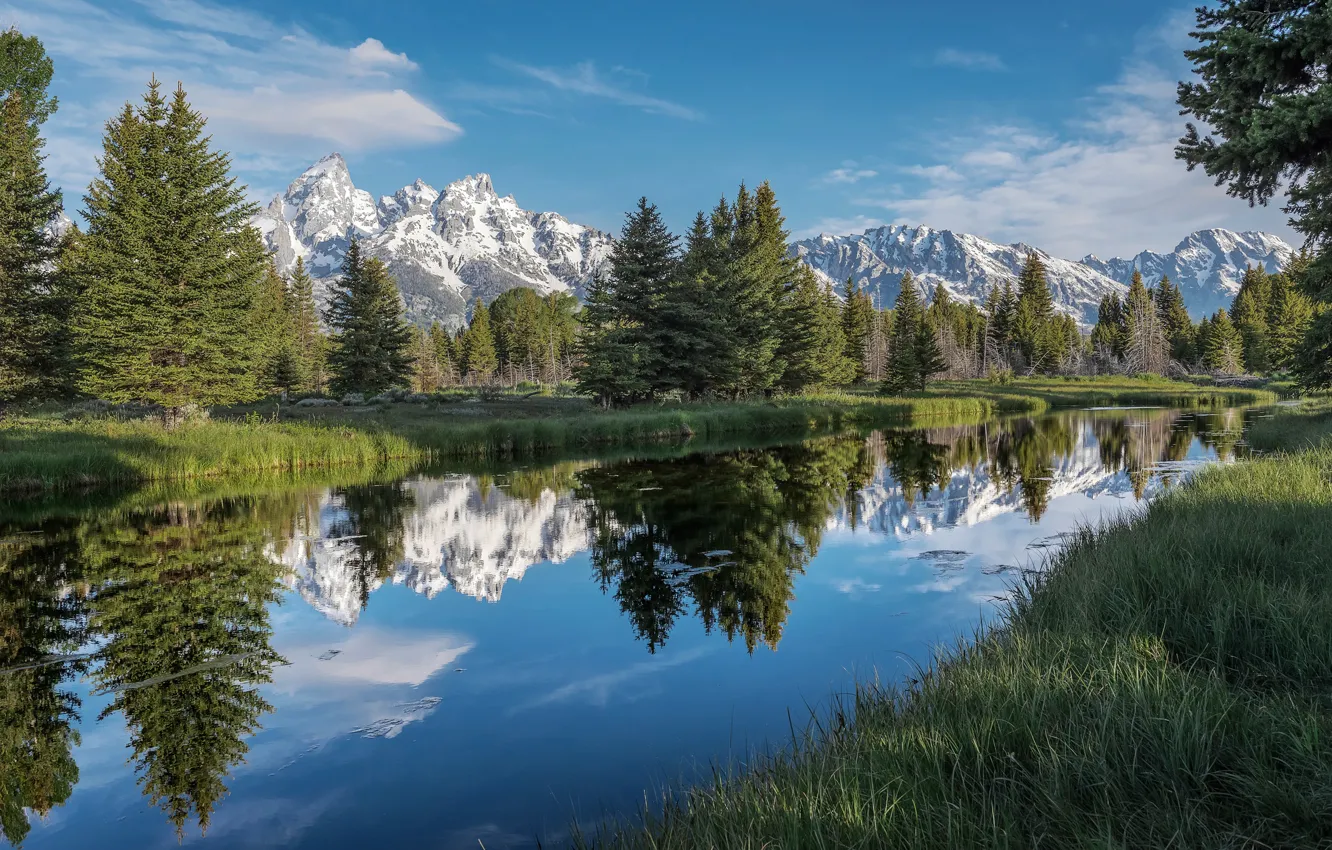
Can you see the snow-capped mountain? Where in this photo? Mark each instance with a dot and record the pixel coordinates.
(456, 534)
(445, 248)
(1207, 265)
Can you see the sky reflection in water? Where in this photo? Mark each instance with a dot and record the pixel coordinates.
(462, 658)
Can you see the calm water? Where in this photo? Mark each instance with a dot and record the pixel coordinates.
(463, 658)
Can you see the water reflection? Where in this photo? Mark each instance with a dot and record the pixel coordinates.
(165, 616)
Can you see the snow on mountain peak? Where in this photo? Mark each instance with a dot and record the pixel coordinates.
(1207, 264)
(444, 248)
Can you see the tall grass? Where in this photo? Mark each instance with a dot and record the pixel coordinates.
(1166, 682)
(38, 454)
(45, 452)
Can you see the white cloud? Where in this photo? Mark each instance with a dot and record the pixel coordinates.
(848, 175)
(585, 79)
(371, 54)
(1107, 183)
(259, 84)
(973, 60)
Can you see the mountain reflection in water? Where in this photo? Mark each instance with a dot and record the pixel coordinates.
(163, 617)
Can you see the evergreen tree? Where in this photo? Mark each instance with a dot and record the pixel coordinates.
(904, 368)
(272, 327)
(857, 327)
(33, 305)
(427, 373)
(1179, 328)
(1290, 315)
(444, 353)
(516, 319)
(1145, 344)
(170, 266)
(625, 347)
(1249, 313)
(1033, 331)
(758, 273)
(1108, 336)
(309, 345)
(479, 359)
(1261, 95)
(370, 346)
(1224, 345)
(813, 347)
(929, 359)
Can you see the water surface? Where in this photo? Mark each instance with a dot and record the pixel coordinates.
(460, 658)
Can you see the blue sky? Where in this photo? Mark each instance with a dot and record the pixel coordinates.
(1040, 121)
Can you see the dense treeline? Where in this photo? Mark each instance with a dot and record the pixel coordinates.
(1262, 332)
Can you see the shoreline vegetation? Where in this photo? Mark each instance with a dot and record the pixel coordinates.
(47, 449)
(1162, 682)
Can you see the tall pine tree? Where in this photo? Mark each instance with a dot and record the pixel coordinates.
(33, 303)
(170, 266)
(908, 318)
(371, 342)
(310, 348)
(479, 358)
(857, 327)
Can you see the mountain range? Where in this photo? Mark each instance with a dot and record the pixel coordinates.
(1207, 265)
(449, 247)
(445, 248)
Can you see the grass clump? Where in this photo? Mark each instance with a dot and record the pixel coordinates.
(1166, 682)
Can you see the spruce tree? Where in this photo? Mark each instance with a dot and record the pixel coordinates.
(612, 355)
(1290, 315)
(1225, 345)
(170, 266)
(33, 306)
(271, 325)
(1033, 331)
(370, 346)
(1249, 313)
(479, 358)
(929, 359)
(309, 345)
(857, 326)
(904, 368)
(1108, 336)
(759, 273)
(1178, 325)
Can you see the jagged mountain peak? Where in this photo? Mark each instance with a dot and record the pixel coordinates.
(444, 248)
(1207, 264)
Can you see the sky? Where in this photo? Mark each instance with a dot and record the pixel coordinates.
(1040, 121)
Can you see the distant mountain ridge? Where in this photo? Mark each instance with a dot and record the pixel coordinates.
(445, 248)
(1207, 265)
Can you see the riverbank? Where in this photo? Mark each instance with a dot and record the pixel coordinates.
(45, 449)
(1164, 683)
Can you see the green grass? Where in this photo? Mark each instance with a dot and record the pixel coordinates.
(40, 450)
(38, 454)
(1166, 683)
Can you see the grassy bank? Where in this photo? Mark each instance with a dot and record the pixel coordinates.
(44, 451)
(1166, 684)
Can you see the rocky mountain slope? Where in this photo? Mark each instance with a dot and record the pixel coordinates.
(1208, 265)
(444, 247)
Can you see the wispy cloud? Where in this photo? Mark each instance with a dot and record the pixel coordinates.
(1106, 182)
(972, 60)
(262, 86)
(585, 79)
(848, 175)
